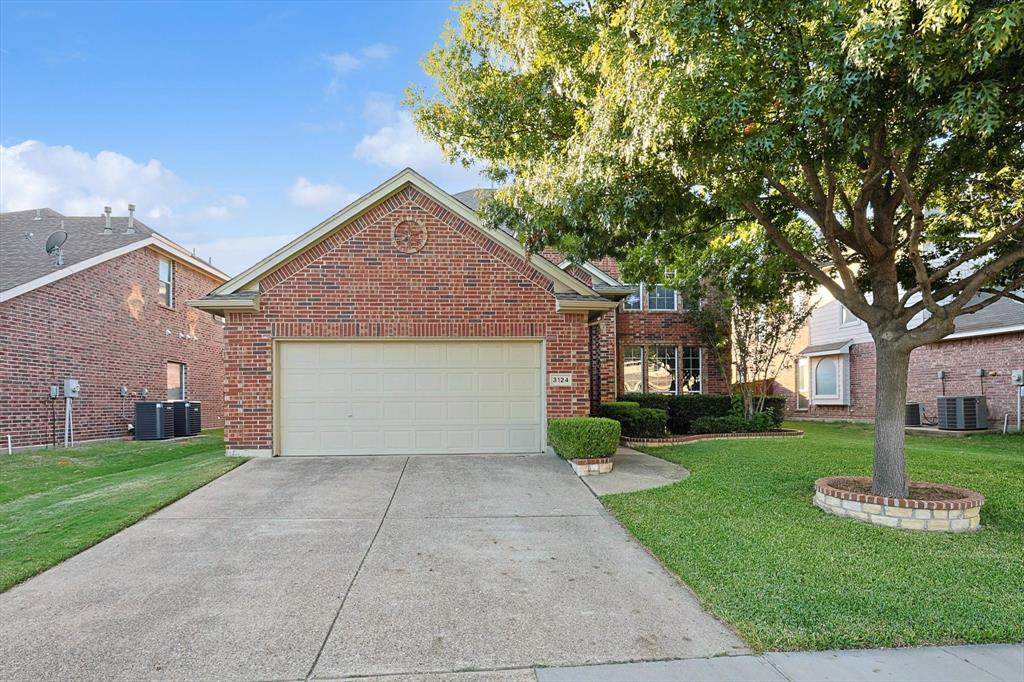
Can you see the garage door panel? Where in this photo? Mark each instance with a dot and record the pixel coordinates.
(324, 412)
(523, 410)
(522, 438)
(299, 413)
(300, 383)
(333, 355)
(461, 383)
(408, 397)
(523, 382)
(396, 383)
(493, 410)
(491, 382)
(333, 382)
(399, 411)
(524, 356)
(300, 440)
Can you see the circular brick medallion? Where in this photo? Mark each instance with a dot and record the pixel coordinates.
(948, 509)
(409, 236)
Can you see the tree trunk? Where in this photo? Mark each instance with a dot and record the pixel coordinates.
(890, 463)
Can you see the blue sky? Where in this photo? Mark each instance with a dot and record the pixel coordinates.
(232, 126)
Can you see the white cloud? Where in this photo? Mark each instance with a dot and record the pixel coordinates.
(34, 174)
(235, 254)
(343, 62)
(378, 51)
(308, 194)
(397, 144)
(225, 208)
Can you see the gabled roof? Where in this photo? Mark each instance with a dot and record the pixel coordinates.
(26, 265)
(249, 279)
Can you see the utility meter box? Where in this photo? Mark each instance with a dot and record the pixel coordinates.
(1017, 377)
(72, 388)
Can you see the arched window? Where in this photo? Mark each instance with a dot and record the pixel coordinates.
(826, 378)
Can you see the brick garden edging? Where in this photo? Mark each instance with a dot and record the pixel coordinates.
(594, 465)
(694, 437)
(961, 512)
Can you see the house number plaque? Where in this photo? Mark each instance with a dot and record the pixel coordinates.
(560, 379)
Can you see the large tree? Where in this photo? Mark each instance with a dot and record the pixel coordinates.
(879, 145)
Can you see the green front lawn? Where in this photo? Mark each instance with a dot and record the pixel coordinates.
(741, 531)
(55, 503)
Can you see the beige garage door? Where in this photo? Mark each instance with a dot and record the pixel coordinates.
(408, 397)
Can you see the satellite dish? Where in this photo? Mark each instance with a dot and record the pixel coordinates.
(55, 241)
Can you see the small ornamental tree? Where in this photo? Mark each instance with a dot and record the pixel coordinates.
(878, 144)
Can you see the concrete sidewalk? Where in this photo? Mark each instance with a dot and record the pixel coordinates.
(635, 471)
(975, 663)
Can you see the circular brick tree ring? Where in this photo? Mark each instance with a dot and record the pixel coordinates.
(931, 506)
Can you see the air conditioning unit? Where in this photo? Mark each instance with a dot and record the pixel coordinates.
(188, 417)
(154, 420)
(963, 412)
(915, 414)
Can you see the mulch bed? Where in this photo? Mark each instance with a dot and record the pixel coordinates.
(694, 437)
(918, 491)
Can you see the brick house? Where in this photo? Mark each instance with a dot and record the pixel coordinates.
(834, 377)
(113, 313)
(402, 325)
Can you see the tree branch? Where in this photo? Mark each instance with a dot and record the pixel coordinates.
(857, 304)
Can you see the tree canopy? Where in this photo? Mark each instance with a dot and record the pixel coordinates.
(878, 144)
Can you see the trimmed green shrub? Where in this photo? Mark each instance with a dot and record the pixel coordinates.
(689, 407)
(683, 409)
(649, 423)
(637, 422)
(584, 437)
(733, 423)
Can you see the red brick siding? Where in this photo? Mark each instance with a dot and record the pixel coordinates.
(958, 358)
(655, 328)
(356, 283)
(104, 327)
(609, 356)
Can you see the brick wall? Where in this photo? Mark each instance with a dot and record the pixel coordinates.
(665, 328)
(104, 327)
(958, 358)
(356, 283)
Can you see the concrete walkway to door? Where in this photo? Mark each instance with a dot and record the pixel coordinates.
(286, 569)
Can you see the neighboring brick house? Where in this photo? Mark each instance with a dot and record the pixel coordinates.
(402, 325)
(114, 313)
(834, 377)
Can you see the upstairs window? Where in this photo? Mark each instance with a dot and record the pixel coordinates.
(661, 298)
(166, 282)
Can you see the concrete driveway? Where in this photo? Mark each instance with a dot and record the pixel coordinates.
(285, 569)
